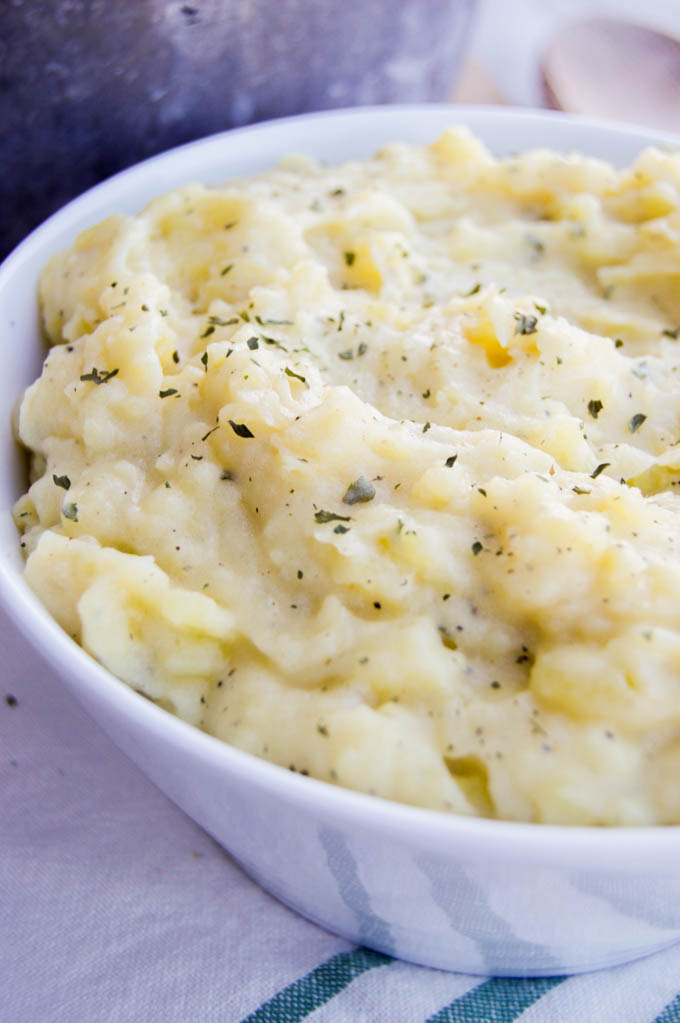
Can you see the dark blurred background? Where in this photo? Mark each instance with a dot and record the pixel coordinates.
(88, 87)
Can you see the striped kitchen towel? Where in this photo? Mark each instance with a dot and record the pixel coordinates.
(396, 991)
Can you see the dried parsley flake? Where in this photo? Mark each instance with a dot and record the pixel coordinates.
(99, 376)
(240, 429)
(526, 324)
(359, 492)
(326, 516)
(297, 376)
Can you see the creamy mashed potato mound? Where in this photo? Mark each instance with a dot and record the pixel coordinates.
(372, 470)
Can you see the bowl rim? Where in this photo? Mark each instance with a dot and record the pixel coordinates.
(613, 847)
(486, 115)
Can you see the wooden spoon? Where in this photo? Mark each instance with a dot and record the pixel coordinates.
(615, 69)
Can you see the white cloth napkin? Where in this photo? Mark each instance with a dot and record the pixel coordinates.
(114, 906)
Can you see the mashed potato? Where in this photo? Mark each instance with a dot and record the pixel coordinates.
(371, 470)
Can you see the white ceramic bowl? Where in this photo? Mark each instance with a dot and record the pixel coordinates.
(463, 894)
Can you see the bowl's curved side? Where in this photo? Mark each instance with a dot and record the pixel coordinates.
(467, 900)
(446, 892)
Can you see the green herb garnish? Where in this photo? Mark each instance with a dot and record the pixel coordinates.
(477, 548)
(326, 516)
(289, 373)
(253, 343)
(636, 422)
(70, 511)
(350, 257)
(240, 429)
(218, 321)
(274, 323)
(99, 376)
(62, 481)
(450, 460)
(274, 341)
(600, 468)
(359, 492)
(526, 324)
(167, 392)
(536, 244)
(595, 406)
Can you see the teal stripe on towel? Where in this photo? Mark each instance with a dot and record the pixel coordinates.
(499, 1000)
(671, 1014)
(301, 997)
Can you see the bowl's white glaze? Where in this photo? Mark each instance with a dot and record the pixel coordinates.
(462, 894)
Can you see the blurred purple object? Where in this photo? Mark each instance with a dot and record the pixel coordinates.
(87, 88)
